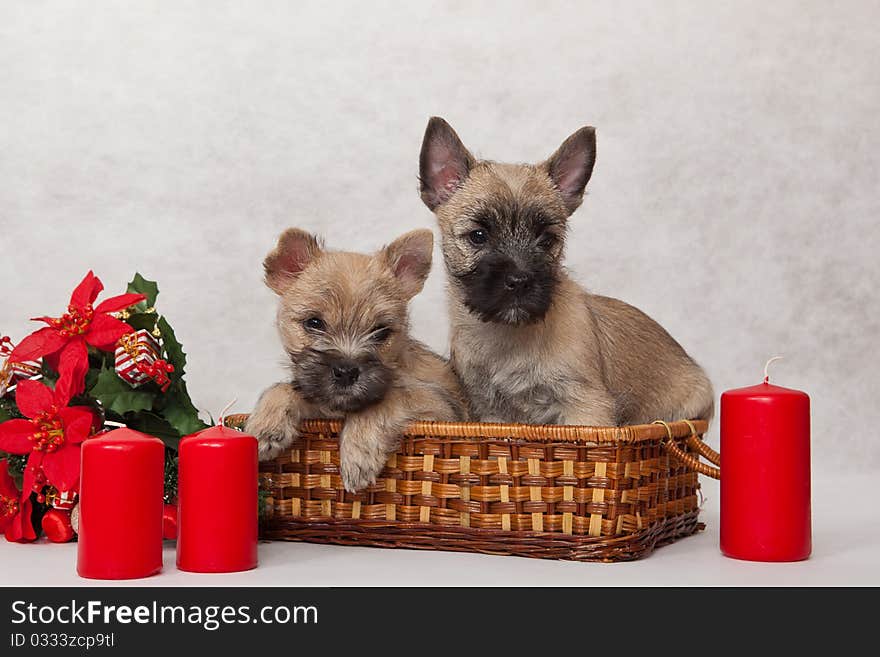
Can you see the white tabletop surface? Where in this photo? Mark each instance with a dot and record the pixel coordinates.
(846, 551)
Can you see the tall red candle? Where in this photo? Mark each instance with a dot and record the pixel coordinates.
(217, 501)
(765, 483)
(120, 507)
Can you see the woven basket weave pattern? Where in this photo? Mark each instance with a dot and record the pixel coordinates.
(558, 492)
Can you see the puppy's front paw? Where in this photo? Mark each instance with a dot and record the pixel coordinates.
(271, 445)
(361, 459)
(275, 422)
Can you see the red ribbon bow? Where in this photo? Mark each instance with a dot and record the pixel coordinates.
(158, 371)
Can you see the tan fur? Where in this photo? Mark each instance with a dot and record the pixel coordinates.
(353, 293)
(591, 360)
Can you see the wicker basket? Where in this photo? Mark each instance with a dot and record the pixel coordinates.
(555, 492)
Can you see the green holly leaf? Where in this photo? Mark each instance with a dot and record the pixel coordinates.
(49, 375)
(140, 285)
(174, 353)
(140, 321)
(91, 378)
(117, 396)
(154, 425)
(180, 412)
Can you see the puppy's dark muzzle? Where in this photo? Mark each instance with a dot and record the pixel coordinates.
(339, 382)
(500, 289)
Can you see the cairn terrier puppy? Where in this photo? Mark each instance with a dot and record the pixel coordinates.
(528, 343)
(343, 321)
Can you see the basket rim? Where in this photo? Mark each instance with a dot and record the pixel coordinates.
(533, 432)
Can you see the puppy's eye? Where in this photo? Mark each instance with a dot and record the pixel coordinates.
(380, 334)
(314, 324)
(547, 240)
(478, 237)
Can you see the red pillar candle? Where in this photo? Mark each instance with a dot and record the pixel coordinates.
(120, 506)
(765, 483)
(217, 501)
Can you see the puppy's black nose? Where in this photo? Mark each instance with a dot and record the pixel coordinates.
(345, 374)
(517, 281)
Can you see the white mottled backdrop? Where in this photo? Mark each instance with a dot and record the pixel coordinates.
(735, 198)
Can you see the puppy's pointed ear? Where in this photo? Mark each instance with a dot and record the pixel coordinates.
(409, 259)
(444, 163)
(571, 166)
(295, 250)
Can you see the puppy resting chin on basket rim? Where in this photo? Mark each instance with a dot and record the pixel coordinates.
(343, 321)
(529, 344)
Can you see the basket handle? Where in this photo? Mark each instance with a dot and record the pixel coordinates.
(699, 446)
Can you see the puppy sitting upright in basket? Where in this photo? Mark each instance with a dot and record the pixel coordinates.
(529, 343)
(343, 321)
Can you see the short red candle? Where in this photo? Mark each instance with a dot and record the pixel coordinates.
(217, 501)
(765, 482)
(120, 506)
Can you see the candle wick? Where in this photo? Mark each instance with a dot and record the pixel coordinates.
(223, 412)
(767, 366)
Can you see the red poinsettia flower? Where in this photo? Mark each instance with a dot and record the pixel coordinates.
(64, 341)
(15, 513)
(51, 435)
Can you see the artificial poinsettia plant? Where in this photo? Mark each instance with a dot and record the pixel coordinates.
(91, 368)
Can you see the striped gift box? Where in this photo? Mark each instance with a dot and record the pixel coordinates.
(64, 500)
(12, 373)
(132, 350)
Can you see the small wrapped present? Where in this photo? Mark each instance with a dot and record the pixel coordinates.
(11, 373)
(63, 500)
(138, 360)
